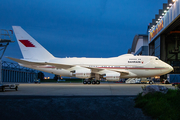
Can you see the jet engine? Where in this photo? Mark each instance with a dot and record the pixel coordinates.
(115, 76)
(82, 73)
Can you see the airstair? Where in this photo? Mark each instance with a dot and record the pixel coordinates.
(133, 80)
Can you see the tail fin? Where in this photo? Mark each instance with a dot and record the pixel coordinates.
(30, 48)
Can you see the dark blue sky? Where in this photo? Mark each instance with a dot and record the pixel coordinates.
(79, 28)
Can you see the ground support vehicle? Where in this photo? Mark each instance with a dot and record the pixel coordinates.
(175, 83)
(174, 79)
(37, 81)
(146, 81)
(9, 86)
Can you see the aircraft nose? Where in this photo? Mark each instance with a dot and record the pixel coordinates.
(171, 68)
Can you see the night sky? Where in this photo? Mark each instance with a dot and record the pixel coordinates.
(79, 28)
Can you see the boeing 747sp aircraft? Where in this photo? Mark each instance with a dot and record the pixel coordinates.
(37, 57)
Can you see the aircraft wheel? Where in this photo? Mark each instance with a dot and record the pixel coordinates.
(93, 82)
(84, 82)
(98, 82)
(89, 82)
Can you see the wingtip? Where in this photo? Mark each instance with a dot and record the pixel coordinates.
(9, 57)
(14, 26)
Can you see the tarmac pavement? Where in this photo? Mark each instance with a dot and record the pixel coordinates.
(77, 89)
(67, 101)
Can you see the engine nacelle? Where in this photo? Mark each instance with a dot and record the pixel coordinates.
(82, 73)
(113, 76)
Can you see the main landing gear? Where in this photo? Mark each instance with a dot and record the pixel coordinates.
(91, 82)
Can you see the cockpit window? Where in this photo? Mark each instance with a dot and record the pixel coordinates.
(157, 58)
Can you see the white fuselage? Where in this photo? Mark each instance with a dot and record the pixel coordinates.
(137, 66)
(124, 66)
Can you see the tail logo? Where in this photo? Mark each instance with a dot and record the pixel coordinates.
(27, 43)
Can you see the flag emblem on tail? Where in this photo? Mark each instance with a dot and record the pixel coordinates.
(27, 43)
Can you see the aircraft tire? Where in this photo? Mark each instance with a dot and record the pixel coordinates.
(89, 82)
(98, 82)
(93, 82)
(84, 82)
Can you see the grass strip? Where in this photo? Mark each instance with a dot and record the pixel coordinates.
(160, 106)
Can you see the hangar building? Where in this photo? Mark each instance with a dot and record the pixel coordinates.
(164, 34)
(163, 38)
(139, 45)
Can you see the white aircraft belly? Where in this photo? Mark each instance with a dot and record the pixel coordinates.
(61, 72)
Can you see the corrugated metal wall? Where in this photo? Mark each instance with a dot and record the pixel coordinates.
(12, 72)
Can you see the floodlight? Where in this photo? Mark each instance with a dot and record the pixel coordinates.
(170, 2)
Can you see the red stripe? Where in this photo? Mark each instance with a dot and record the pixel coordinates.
(27, 43)
(47, 67)
(129, 68)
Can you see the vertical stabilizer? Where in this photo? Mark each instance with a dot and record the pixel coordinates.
(30, 48)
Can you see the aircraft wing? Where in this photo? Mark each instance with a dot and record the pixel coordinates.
(25, 62)
(65, 66)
